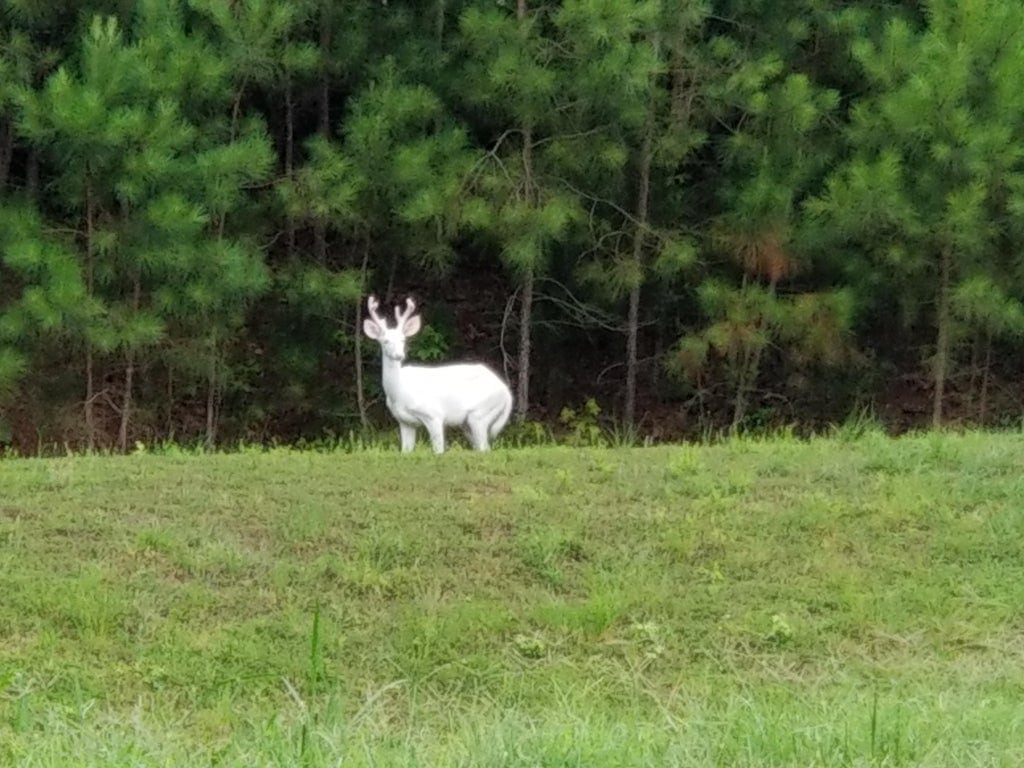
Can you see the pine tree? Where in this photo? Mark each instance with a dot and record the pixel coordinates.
(642, 125)
(935, 164)
(148, 191)
(759, 292)
(513, 76)
(263, 44)
(43, 294)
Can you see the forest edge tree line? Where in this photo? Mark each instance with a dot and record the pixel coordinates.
(705, 215)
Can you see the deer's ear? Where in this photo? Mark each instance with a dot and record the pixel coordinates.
(371, 329)
(412, 326)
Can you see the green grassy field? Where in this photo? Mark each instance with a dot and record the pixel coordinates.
(835, 602)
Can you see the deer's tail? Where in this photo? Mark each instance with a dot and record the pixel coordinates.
(499, 423)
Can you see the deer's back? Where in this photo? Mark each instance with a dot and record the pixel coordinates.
(451, 391)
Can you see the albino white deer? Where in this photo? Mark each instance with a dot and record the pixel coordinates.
(466, 395)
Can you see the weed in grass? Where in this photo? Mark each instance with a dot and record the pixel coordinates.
(582, 425)
(861, 423)
(586, 619)
(530, 646)
(546, 553)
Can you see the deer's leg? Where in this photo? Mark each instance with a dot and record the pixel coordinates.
(477, 429)
(435, 428)
(407, 433)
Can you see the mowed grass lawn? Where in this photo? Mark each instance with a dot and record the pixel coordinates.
(834, 602)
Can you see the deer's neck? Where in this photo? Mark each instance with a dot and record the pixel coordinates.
(392, 377)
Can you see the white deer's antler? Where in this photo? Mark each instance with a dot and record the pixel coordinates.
(371, 306)
(402, 315)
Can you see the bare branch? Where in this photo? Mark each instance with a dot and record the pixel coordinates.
(609, 368)
(580, 313)
(505, 356)
(570, 136)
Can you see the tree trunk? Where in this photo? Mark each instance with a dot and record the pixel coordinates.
(525, 319)
(633, 320)
(236, 116)
(211, 384)
(440, 22)
(739, 407)
(170, 403)
(90, 396)
(32, 175)
(90, 386)
(323, 123)
(6, 152)
(129, 377)
(126, 401)
(943, 321)
(975, 369)
(526, 306)
(289, 158)
(632, 331)
(985, 375)
(324, 116)
(212, 388)
(320, 242)
(360, 393)
(659, 351)
(751, 368)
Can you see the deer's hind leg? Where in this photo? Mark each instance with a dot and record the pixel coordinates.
(435, 428)
(476, 429)
(407, 434)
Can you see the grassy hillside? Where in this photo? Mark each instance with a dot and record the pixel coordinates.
(827, 603)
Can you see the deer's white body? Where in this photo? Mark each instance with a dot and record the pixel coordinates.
(466, 395)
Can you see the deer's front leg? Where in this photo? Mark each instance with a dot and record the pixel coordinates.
(407, 434)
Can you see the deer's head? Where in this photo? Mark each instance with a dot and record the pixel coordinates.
(391, 340)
